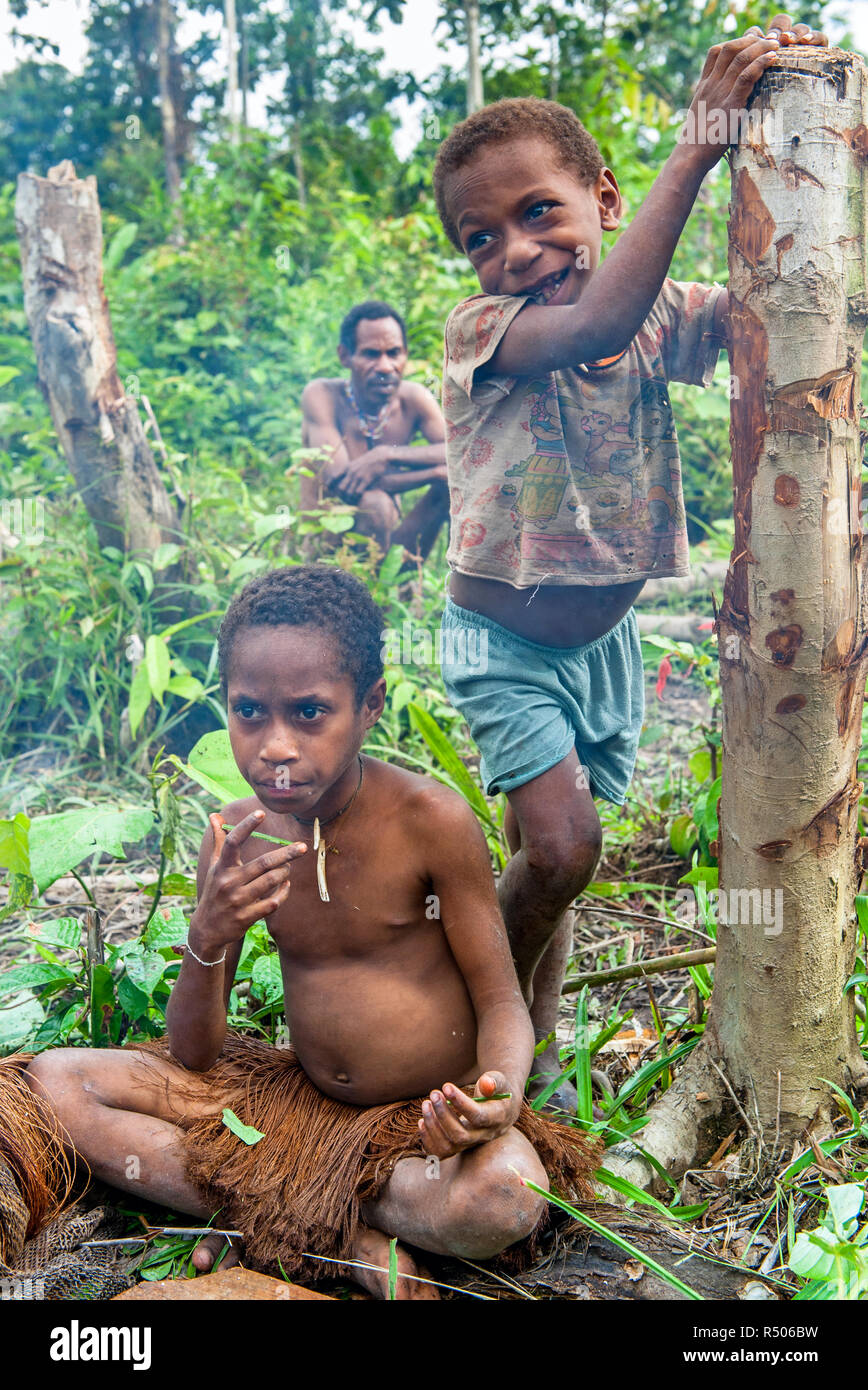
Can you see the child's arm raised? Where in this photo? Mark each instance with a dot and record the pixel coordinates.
(620, 294)
(232, 896)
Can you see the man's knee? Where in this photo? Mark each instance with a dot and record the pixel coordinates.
(380, 508)
(494, 1209)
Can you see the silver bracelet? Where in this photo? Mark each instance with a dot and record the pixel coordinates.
(209, 963)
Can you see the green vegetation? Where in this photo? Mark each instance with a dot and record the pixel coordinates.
(110, 717)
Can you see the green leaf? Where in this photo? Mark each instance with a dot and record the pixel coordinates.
(393, 1267)
(212, 765)
(33, 976)
(8, 374)
(174, 885)
(266, 981)
(140, 697)
(448, 759)
(274, 521)
(616, 1238)
(14, 847)
(64, 931)
(636, 1194)
(59, 843)
(703, 873)
(187, 687)
(585, 1107)
(700, 764)
(845, 1202)
(131, 999)
(246, 1133)
(20, 891)
(401, 694)
(808, 1259)
(337, 522)
(144, 968)
(119, 245)
(19, 1020)
(102, 1003)
(682, 836)
(157, 664)
(168, 927)
(165, 555)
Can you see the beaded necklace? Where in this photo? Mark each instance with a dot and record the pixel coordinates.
(372, 425)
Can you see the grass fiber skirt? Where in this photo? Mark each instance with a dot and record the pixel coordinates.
(298, 1191)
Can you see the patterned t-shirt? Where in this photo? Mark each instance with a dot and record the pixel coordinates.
(572, 477)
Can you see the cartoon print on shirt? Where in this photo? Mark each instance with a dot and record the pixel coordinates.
(597, 425)
(545, 473)
(652, 425)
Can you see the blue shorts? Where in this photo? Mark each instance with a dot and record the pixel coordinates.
(527, 705)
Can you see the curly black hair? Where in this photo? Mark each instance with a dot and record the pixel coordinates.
(321, 596)
(514, 118)
(371, 309)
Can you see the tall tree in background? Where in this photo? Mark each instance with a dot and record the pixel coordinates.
(475, 98)
(168, 114)
(232, 68)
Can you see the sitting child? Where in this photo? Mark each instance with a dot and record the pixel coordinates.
(398, 1110)
(564, 474)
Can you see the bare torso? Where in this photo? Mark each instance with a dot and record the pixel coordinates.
(401, 423)
(554, 615)
(376, 1007)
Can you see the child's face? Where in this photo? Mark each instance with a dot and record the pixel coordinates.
(293, 722)
(528, 225)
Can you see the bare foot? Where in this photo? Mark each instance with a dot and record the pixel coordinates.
(207, 1251)
(372, 1247)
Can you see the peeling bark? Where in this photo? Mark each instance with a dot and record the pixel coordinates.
(792, 626)
(99, 428)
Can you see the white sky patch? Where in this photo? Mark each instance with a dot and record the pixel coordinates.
(412, 46)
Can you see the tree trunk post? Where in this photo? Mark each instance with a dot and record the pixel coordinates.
(792, 628)
(99, 428)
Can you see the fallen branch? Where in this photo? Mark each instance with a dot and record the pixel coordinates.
(655, 966)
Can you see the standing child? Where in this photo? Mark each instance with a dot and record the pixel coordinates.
(564, 473)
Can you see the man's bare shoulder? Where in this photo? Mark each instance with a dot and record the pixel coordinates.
(414, 394)
(322, 388)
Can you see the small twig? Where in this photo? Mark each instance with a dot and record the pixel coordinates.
(738, 1106)
(88, 894)
(655, 966)
(191, 1231)
(93, 923)
(643, 917)
(501, 1279)
(380, 1269)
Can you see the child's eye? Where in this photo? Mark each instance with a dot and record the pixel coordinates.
(310, 712)
(477, 241)
(541, 208)
(246, 709)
